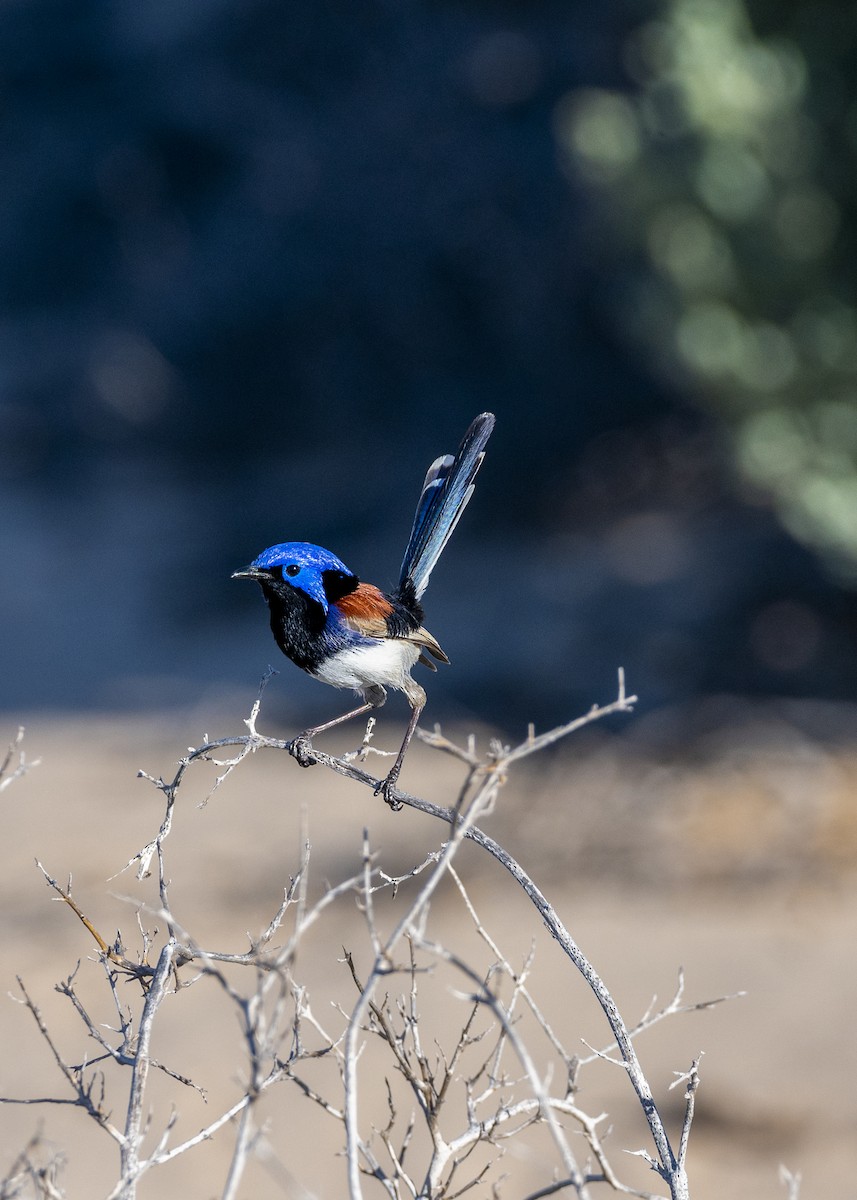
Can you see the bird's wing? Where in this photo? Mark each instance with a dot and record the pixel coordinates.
(366, 609)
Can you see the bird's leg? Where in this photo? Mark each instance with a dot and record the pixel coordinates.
(387, 787)
(300, 747)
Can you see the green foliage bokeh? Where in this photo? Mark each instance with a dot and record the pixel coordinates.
(726, 177)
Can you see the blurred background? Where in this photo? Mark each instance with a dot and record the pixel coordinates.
(262, 263)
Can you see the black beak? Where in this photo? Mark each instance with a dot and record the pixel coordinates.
(250, 572)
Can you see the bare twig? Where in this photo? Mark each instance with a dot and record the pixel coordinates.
(130, 1156)
(88, 1095)
(545, 1109)
(462, 822)
(6, 779)
(25, 1170)
(791, 1182)
(653, 1017)
(691, 1078)
(112, 953)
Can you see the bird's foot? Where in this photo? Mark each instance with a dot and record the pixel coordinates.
(387, 789)
(300, 749)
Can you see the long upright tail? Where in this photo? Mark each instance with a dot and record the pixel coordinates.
(448, 487)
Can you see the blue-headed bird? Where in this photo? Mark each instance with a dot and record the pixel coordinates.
(350, 634)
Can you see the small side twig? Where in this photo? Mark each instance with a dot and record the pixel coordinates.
(6, 779)
(691, 1078)
(791, 1181)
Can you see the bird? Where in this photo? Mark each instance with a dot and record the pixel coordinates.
(351, 634)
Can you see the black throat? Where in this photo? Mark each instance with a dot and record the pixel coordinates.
(299, 623)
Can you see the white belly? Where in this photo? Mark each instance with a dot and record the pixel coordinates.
(386, 663)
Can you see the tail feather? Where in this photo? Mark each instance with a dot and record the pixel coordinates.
(447, 488)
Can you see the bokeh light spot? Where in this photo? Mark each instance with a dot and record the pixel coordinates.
(710, 337)
(685, 244)
(768, 360)
(731, 181)
(601, 130)
(836, 421)
(806, 220)
(772, 446)
(648, 548)
(131, 376)
(828, 331)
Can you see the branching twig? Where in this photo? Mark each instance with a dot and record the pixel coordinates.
(652, 1017)
(87, 1095)
(6, 779)
(113, 953)
(791, 1182)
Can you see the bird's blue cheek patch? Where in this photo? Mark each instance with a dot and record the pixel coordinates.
(311, 585)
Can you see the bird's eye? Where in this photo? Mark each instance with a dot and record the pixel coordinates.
(291, 569)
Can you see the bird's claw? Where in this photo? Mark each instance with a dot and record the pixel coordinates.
(387, 789)
(300, 749)
(390, 798)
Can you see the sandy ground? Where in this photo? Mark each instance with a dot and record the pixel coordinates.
(736, 865)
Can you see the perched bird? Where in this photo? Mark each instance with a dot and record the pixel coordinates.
(351, 634)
